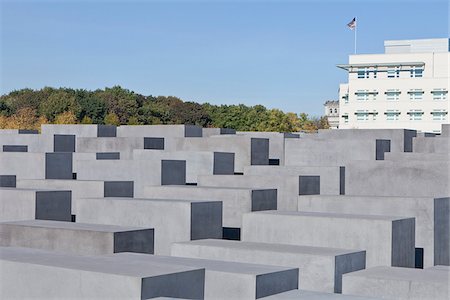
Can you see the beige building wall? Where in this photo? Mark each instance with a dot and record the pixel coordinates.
(387, 91)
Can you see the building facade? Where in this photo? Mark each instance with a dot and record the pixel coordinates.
(332, 113)
(406, 87)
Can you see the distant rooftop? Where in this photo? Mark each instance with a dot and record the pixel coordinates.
(417, 46)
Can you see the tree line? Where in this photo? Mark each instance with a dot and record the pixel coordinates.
(28, 109)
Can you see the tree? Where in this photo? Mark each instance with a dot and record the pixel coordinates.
(24, 118)
(133, 121)
(122, 102)
(112, 119)
(57, 103)
(66, 117)
(86, 120)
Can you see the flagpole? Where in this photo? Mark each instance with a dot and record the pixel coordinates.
(356, 29)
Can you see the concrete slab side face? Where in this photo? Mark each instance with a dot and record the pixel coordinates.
(107, 155)
(139, 241)
(341, 180)
(7, 180)
(192, 131)
(53, 205)
(264, 199)
(64, 143)
(309, 185)
(106, 130)
(58, 166)
(206, 220)
(28, 131)
(154, 143)
(408, 136)
(403, 243)
(274, 283)
(442, 231)
(173, 172)
(163, 286)
(259, 151)
(119, 189)
(227, 131)
(15, 148)
(223, 163)
(382, 146)
(347, 263)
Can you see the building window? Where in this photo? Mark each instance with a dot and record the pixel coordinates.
(363, 73)
(416, 72)
(415, 115)
(362, 115)
(392, 95)
(439, 115)
(393, 72)
(345, 98)
(345, 117)
(364, 95)
(415, 94)
(439, 94)
(392, 115)
(375, 72)
(335, 111)
(331, 110)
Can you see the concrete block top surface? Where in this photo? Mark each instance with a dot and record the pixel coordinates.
(71, 226)
(208, 264)
(150, 200)
(27, 190)
(327, 215)
(399, 274)
(270, 247)
(98, 264)
(310, 295)
(200, 188)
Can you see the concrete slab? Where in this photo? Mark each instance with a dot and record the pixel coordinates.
(236, 201)
(422, 209)
(173, 220)
(387, 240)
(26, 204)
(398, 283)
(33, 273)
(230, 280)
(320, 268)
(76, 238)
(310, 295)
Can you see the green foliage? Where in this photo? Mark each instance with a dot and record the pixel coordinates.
(117, 106)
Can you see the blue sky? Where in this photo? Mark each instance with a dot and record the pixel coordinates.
(281, 54)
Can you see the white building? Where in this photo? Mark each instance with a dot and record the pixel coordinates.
(332, 113)
(406, 87)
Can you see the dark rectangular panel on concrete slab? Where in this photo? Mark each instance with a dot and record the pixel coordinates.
(346, 263)
(58, 165)
(403, 243)
(139, 241)
(274, 162)
(64, 143)
(227, 131)
(7, 180)
(442, 231)
(309, 185)
(15, 148)
(53, 205)
(173, 172)
(118, 189)
(155, 143)
(223, 163)
(419, 258)
(206, 220)
(193, 286)
(192, 131)
(408, 136)
(107, 155)
(259, 151)
(341, 180)
(264, 199)
(28, 131)
(267, 285)
(289, 135)
(106, 130)
(382, 146)
(231, 233)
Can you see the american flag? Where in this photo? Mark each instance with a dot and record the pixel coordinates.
(352, 24)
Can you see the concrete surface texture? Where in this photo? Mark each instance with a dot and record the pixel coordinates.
(184, 212)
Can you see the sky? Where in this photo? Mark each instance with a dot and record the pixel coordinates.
(281, 54)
